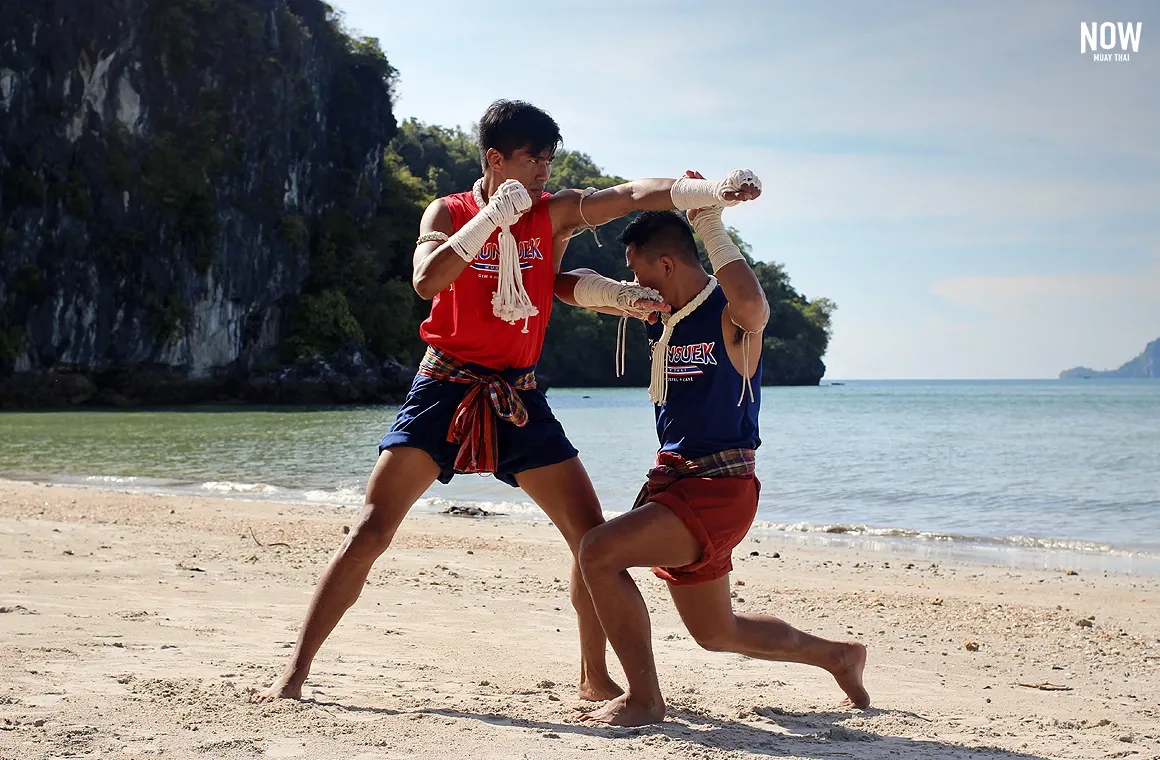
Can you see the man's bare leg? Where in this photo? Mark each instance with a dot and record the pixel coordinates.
(566, 495)
(400, 477)
(646, 537)
(708, 613)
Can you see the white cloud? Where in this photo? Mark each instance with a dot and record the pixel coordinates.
(1001, 294)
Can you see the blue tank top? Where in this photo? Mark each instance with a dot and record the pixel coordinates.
(700, 415)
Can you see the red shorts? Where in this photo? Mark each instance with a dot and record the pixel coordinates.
(718, 512)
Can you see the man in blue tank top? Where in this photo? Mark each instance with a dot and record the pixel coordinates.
(701, 498)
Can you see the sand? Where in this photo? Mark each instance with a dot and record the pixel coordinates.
(135, 626)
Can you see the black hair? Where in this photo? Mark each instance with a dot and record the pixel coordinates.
(656, 233)
(508, 125)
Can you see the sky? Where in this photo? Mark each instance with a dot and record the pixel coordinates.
(980, 198)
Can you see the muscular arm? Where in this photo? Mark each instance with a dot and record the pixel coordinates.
(605, 205)
(649, 195)
(436, 265)
(746, 312)
(748, 306)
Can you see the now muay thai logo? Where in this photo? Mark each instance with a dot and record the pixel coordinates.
(487, 260)
(687, 361)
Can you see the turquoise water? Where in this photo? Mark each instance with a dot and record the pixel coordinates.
(994, 467)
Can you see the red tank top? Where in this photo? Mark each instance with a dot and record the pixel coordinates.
(462, 322)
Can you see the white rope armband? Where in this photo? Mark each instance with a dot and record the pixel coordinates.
(720, 247)
(688, 193)
(432, 237)
(587, 225)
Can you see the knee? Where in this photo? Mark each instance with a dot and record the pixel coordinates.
(368, 540)
(579, 527)
(598, 553)
(715, 640)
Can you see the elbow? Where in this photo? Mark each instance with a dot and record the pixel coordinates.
(423, 286)
(752, 314)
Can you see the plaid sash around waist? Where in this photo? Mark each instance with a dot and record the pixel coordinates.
(670, 467)
(490, 396)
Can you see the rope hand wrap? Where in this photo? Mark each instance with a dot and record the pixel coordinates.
(510, 200)
(720, 247)
(688, 193)
(506, 204)
(510, 301)
(594, 291)
(658, 389)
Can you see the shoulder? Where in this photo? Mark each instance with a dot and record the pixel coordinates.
(437, 217)
(457, 208)
(563, 206)
(458, 200)
(561, 202)
(564, 196)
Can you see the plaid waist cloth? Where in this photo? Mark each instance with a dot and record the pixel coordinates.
(670, 467)
(491, 395)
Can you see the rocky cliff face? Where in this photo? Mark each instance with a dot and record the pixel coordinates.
(165, 168)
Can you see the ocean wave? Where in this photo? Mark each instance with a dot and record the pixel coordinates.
(1016, 542)
(351, 496)
(228, 487)
(341, 496)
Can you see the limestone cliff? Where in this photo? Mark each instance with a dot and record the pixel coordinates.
(165, 167)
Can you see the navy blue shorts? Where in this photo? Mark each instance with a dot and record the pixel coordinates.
(427, 412)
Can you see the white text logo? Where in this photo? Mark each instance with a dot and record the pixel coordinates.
(1100, 39)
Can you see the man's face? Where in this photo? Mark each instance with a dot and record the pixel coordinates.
(530, 169)
(655, 273)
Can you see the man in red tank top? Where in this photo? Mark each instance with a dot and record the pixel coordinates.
(474, 406)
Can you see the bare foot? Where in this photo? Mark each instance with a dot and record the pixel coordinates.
(283, 688)
(598, 690)
(624, 711)
(848, 673)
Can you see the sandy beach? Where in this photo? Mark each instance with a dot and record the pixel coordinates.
(135, 626)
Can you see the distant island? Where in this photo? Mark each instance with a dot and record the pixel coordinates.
(1146, 365)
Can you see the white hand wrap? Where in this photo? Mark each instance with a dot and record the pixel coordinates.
(720, 247)
(595, 291)
(503, 209)
(702, 193)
